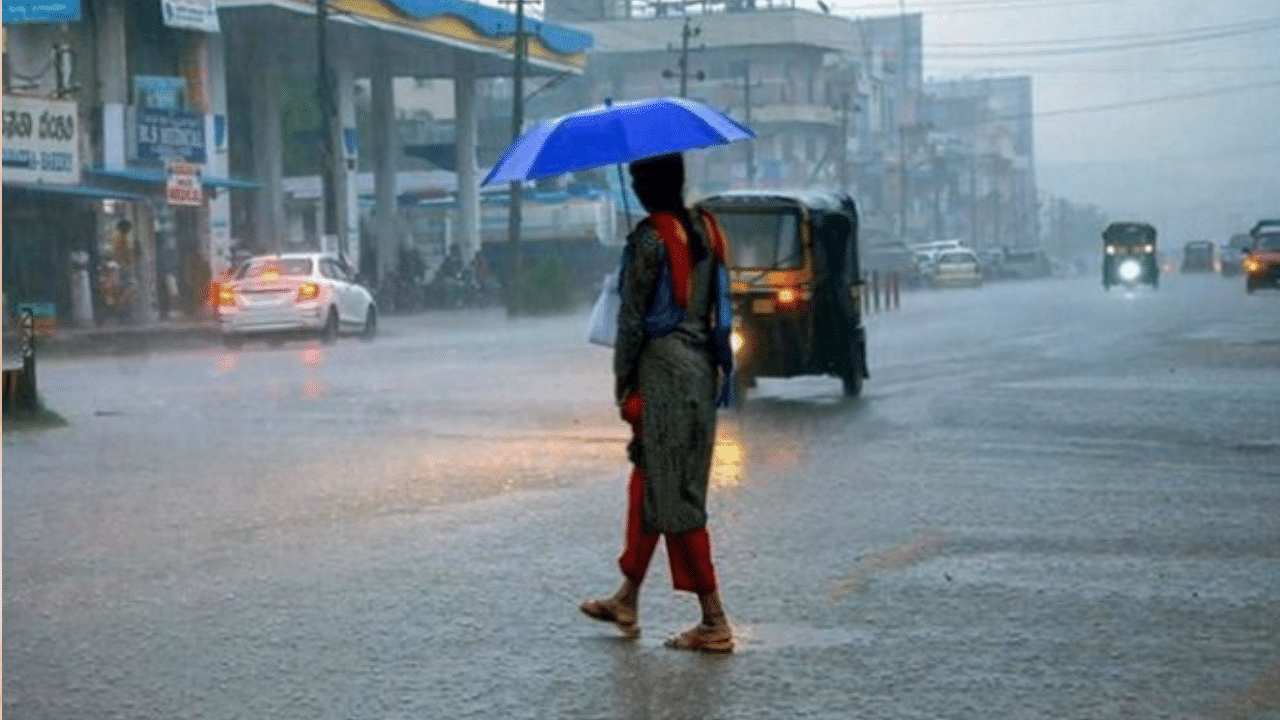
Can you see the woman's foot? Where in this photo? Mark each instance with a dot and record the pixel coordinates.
(613, 611)
(712, 635)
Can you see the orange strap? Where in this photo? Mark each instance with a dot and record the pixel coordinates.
(676, 240)
(671, 230)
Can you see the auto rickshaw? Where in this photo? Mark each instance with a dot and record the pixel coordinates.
(1129, 255)
(796, 286)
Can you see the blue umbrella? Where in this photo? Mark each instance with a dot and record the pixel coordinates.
(615, 133)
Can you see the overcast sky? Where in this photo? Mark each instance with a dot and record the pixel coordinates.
(1163, 109)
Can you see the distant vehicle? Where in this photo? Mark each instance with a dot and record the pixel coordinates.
(956, 268)
(1231, 255)
(275, 297)
(1262, 262)
(1129, 255)
(1025, 263)
(1198, 257)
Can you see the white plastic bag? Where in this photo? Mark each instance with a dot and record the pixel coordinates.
(602, 328)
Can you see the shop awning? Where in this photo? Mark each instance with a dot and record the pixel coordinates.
(86, 191)
(156, 176)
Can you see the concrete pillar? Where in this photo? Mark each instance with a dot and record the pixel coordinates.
(219, 160)
(386, 149)
(268, 144)
(346, 164)
(113, 80)
(467, 232)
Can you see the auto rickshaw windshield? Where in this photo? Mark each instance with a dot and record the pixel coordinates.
(762, 239)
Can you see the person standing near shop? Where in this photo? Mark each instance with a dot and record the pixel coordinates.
(123, 288)
(666, 388)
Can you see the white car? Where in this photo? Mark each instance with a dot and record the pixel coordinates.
(274, 297)
(956, 268)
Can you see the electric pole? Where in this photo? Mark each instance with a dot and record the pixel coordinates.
(686, 34)
(514, 214)
(324, 92)
(902, 125)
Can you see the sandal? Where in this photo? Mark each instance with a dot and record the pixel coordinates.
(704, 638)
(610, 611)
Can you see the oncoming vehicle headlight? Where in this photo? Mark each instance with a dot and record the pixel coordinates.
(1129, 270)
(1111, 249)
(1252, 264)
(736, 341)
(1148, 248)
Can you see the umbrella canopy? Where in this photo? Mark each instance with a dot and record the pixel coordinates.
(615, 133)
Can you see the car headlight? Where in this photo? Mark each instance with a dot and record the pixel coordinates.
(1252, 265)
(1130, 270)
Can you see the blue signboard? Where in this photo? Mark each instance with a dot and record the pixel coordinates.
(170, 135)
(32, 11)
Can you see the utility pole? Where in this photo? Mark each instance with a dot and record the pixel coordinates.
(324, 91)
(746, 100)
(844, 142)
(902, 125)
(514, 214)
(686, 34)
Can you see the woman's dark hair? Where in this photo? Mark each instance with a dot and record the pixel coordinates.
(659, 184)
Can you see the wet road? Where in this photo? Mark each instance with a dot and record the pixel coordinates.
(1052, 502)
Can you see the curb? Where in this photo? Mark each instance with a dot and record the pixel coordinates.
(126, 341)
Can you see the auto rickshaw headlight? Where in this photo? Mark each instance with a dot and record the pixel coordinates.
(1148, 248)
(1111, 249)
(1130, 270)
(786, 296)
(736, 341)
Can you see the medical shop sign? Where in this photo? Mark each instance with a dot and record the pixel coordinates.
(183, 186)
(41, 141)
(165, 135)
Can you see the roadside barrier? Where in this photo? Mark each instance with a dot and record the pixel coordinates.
(881, 293)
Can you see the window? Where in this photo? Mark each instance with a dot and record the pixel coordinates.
(762, 239)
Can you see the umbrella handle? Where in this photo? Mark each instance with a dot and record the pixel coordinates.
(626, 206)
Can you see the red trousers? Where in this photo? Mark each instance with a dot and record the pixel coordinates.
(689, 553)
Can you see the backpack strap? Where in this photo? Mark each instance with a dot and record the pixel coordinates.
(719, 245)
(676, 241)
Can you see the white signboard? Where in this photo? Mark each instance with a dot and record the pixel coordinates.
(183, 186)
(41, 141)
(199, 15)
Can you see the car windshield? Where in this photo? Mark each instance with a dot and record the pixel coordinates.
(762, 239)
(274, 267)
(1269, 242)
(1129, 235)
(956, 258)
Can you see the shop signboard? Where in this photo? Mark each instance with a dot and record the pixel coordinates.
(183, 186)
(41, 141)
(40, 11)
(163, 135)
(201, 15)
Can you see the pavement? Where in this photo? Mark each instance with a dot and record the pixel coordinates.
(119, 338)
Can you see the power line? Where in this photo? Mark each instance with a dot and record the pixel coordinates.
(1137, 103)
(1251, 26)
(1115, 47)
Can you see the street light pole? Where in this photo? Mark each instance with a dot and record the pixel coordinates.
(324, 90)
(514, 212)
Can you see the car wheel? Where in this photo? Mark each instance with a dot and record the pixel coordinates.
(329, 332)
(370, 325)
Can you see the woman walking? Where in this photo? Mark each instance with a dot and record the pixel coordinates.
(666, 388)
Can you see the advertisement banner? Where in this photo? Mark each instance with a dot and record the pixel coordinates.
(201, 15)
(169, 135)
(183, 186)
(41, 141)
(35, 11)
